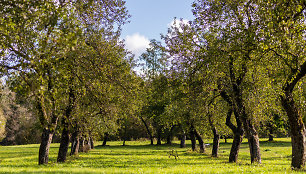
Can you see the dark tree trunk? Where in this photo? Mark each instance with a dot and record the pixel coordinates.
(225, 139)
(216, 137)
(216, 141)
(193, 140)
(238, 137)
(237, 130)
(65, 139)
(297, 130)
(148, 131)
(64, 145)
(199, 138)
(81, 144)
(183, 140)
(158, 137)
(249, 128)
(169, 137)
(105, 139)
(75, 143)
(91, 142)
(271, 134)
(253, 141)
(46, 140)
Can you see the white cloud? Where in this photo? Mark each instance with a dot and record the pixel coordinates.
(136, 43)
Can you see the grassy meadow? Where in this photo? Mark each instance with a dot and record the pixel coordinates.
(139, 157)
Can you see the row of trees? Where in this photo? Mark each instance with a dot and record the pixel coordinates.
(240, 64)
(66, 60)
(235, 67)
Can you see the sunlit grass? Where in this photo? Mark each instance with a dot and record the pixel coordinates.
(139, 157)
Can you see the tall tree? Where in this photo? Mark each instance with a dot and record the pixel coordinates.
(37, 38)
(284, 41)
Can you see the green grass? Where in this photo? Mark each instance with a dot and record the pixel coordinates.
(139, 157)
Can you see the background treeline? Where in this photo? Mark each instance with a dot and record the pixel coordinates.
(236, 71)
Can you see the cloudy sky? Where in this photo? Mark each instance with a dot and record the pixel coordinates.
(150, 18)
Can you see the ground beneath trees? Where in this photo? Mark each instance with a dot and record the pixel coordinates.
(139, 157)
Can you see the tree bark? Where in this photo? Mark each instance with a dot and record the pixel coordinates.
(297, 130)
(193, 140)
(91, 142)
(105, 139)
(65, 139)
(199, 138)
(201, 142)
(75, 143)
(271, 133)
(183, 140)
(253, 141)
(216, 142)
(148, 131)
(81, 144)
(158, 137)
(64, 145)
(237, 130)
(169, 137)
(46, 140)
(238, 136)
(297, 127)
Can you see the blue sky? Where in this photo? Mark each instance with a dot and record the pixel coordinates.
(150, 18)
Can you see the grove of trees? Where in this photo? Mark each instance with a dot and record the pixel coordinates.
(237, 70)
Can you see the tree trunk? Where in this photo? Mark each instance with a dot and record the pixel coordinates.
(253, 141)
(216, 137)
(238, 137)
(81, 144)
(169, 137)
(270, 136)
(75, 143)
(46, 140)
(200, 140)
(64, 145)
(158, 137)
(216, 141)
(65, 139)
(105, 139)
(148, 131)
(91, 142)
(183, 140)
(297, 130)
(193, 140)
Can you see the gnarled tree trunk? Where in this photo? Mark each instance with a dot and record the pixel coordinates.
(238, 136)
(193, 140)
(253, 141)
(46, 140)
(199, 138)
(297, 130)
